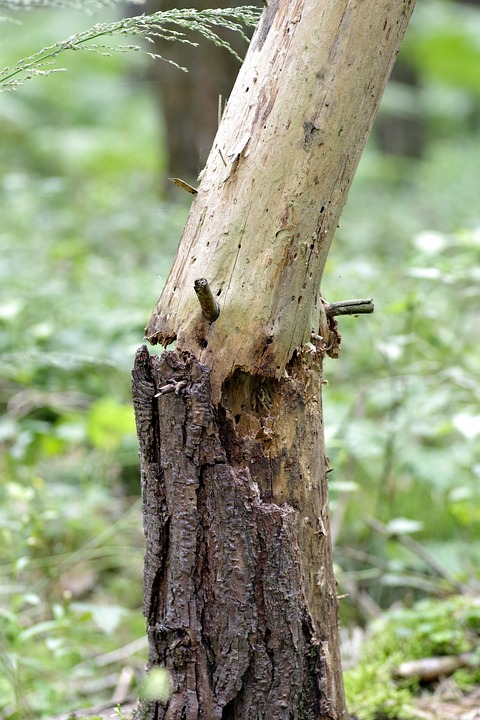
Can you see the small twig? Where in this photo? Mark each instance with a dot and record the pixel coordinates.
(184, 185)
(220, 110)
(350, 307)
(209, 305)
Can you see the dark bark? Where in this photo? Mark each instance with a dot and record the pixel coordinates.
(235, 613)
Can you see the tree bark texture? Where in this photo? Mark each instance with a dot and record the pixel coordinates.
(240, 595)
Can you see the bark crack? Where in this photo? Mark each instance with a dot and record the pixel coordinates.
(226, 602)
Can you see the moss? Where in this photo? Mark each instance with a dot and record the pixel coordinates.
(430, 628)
(372, 694)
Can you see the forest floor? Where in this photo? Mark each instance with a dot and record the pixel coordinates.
(446, 704)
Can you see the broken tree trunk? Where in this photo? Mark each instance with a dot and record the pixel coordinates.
(240, 596)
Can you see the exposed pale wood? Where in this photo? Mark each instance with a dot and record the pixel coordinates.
(276, 181)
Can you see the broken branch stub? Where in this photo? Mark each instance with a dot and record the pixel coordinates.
(363, 306)
(210, 308)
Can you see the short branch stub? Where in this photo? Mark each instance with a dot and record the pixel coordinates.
(210, 308)
(349, 307)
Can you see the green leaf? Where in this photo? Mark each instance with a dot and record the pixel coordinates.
(109, 422)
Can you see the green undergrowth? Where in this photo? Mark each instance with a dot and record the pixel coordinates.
(401, 407)
(431, 628)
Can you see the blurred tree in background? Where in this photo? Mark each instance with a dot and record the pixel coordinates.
(86, 242)
(190, 103)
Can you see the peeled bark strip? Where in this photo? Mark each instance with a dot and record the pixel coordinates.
(239, 591)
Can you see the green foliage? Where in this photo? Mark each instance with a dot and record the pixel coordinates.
(401, 408)
(430, 628)
(441, 55)
(119, 713)
(87, 241)
(148, 27)
(444, 44)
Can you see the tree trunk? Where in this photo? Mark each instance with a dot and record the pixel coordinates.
(245, 622)
(240, 596)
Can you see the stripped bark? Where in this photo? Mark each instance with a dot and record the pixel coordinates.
(276, 181)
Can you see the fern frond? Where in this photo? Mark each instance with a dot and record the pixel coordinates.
(148, 27)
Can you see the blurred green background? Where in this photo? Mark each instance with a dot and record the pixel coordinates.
(87, 236)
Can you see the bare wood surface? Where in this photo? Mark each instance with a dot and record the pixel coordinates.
(276, 181)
